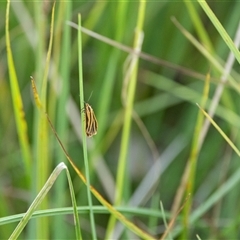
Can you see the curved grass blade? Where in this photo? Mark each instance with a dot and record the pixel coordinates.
(41, 195)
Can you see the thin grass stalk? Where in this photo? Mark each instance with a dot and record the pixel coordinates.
(228, 140)
(106, 95)
(53, 78)
(83, 119)
(62, 121)
(169, 235)
(43, 92)
(192, 162)
(142, 55)
(18, 105)
(57, 43)
(74, 203)
(122, 162)
(129, 106)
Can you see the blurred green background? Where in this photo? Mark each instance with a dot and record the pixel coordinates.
(161, 139)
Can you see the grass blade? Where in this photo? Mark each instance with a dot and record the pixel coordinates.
(226, 38)
(18, 104)
(228, 140)
(39, 198)
(83, 119)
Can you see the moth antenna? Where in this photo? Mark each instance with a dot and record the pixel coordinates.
(90, 96)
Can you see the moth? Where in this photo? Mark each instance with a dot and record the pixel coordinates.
(91, 124)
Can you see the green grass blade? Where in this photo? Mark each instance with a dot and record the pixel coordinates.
(129, 106)
(226, 38)
(228, 140)
(169, 235)
(74, 203)
(18, 104)
(128, 102)
(193, 158)
(85, 155)
(98, 209)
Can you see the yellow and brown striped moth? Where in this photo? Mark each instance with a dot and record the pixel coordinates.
(91, 124)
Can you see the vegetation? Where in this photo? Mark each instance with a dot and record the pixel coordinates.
(162, 79)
